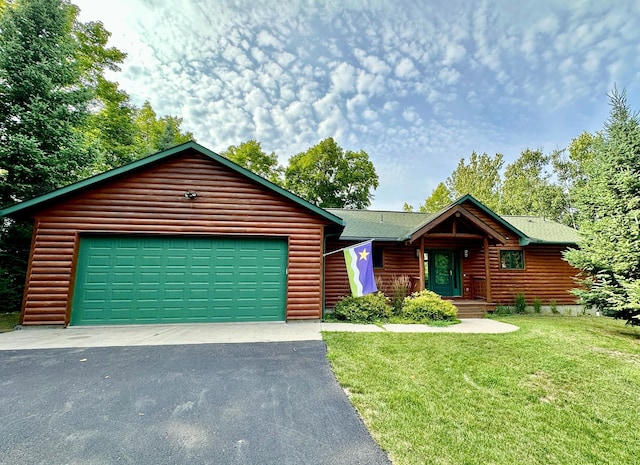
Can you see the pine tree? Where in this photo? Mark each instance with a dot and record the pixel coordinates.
(609, 217)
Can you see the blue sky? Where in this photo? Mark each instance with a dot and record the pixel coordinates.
(418, 85)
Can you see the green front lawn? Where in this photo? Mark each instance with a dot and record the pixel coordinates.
(8, 321)
(561, 390)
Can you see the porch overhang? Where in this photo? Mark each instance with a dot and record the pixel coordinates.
(457, 211)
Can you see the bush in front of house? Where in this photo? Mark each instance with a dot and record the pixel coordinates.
(365, 309)
(520, 303)
(428, 306)
(400, 289)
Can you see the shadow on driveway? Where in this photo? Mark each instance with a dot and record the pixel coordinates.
(262, 403)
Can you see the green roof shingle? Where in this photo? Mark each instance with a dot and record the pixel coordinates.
(379, 225)
(543, 231)
(398, 226)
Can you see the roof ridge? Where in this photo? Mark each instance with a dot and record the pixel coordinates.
(375, 211)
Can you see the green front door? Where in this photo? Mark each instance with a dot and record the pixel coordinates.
(133, 280)
(443, 276)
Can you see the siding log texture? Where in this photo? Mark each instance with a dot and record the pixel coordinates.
(152, 201)
(546, 276)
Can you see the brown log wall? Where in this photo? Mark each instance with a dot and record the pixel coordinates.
(152, 202)
(546, 276)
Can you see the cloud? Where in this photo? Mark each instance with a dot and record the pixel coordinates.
(416, 84)
(266, 39)
(370, 83)
(343, 78)
(372, 63)
(449, 76)
(410, 115)
(405, 69)
(454, 53)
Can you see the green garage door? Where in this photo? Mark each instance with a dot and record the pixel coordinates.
(133, 280)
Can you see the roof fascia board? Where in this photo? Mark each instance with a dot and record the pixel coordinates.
(467, 215)
(534, 241)
(491, 213)
(380, 239)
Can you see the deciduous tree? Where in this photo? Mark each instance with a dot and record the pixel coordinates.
(480, 178)
(440, 197)
(250, 155)
(527, 188)
(42, 103)
(569, 167)
(60, 118)
(331, 177)
(154, 134)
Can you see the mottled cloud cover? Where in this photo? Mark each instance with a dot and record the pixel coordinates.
(417, 85)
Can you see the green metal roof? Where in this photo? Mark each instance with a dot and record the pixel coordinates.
(543, 231)
(23, 208)
(379, 225)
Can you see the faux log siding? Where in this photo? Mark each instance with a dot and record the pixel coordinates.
(546, 277)
(152, 202)
(397, 260)
(472, 266)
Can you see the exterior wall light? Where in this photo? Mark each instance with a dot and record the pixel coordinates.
(190, 195)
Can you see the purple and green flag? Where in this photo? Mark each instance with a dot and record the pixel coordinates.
(359, 260)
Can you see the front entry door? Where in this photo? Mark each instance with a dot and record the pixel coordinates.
(443, 273)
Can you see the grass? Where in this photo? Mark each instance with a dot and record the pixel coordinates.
(561, 390)
(8, 321)
(408, 321)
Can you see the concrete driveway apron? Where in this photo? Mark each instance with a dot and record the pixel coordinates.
(251, 403)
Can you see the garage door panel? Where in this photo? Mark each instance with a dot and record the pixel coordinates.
(129, 280)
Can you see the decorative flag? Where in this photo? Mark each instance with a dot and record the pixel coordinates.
(359, 262)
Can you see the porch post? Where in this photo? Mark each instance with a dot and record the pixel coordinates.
(421, 264)
(487, 270)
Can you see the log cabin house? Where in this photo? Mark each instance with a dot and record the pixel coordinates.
(187, 236)
(465, 252)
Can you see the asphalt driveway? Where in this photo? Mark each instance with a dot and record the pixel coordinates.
(256, 403)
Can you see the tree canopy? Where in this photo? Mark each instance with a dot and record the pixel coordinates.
(608, 202)
(440, 197)
(480, 178)
(527, 189)
(251, 156)
(331, 177)
(41, 99)
(530, 185)
(60, 118)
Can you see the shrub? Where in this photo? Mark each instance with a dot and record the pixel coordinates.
(537, 305)
(427, 305)
(365, 309)
(554, 307)
(400, 286)
(503, 310)
(520, 303)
